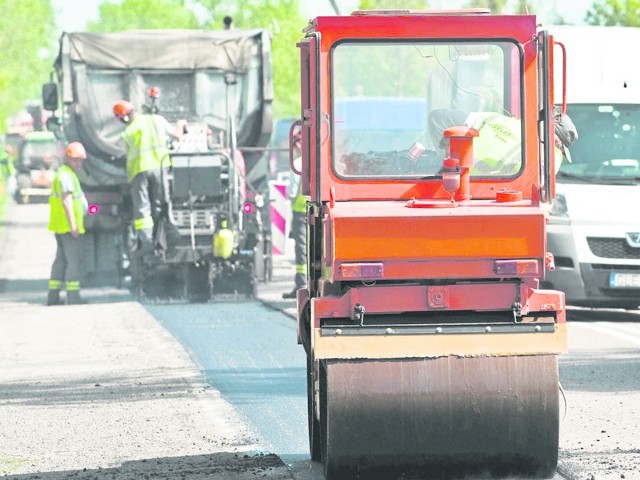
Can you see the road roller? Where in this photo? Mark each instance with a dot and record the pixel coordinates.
(429, 151)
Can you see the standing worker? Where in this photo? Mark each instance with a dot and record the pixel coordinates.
(68, 206)
(148, 162)
(298, 222)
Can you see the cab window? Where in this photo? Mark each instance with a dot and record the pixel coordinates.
(392, 101)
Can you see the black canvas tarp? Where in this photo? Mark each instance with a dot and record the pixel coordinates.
(226, 50)
(96, 69)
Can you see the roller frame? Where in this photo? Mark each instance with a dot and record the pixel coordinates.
(351, 402)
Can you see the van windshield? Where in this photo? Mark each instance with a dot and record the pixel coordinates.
(608, 145)
(392, 101)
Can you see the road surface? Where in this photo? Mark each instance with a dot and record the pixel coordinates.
(115, 389)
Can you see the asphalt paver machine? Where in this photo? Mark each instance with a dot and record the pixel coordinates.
(220, 83)
(430, 344)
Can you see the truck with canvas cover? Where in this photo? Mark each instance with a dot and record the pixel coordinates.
(220, 83)
(430, 344)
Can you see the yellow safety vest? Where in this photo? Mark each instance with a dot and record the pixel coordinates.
(58, 222)
(299, 202)
(146, 145)
(6, 165)
(498, 148)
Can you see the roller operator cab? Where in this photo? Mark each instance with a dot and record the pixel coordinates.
(428, 158)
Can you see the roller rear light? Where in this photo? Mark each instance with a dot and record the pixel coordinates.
(520, 268)
(362, 270)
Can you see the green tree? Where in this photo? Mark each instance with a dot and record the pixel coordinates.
(497, 7)
(283, 19)
(143, 14)
(334, 5)
(614, 12)
(27, 33)
(523, 8)
(280, 17)
(390, 4)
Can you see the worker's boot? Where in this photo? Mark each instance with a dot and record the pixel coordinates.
(145, 245)
(73, 298)
(290, 295)
(53, 297)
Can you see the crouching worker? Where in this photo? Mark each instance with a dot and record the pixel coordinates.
(68, 206)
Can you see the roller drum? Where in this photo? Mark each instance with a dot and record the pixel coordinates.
(497, 414)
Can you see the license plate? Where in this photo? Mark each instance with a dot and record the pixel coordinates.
(624, 280)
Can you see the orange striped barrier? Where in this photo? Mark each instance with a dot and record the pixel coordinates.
(280, 216)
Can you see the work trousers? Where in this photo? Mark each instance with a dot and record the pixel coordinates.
(299, 235)
(67, 266)
(149, 190)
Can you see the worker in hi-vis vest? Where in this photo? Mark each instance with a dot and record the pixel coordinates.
(298, 223)
(497, 149)
(68, 206)
(146, 137)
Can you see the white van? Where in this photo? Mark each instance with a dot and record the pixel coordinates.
(594, 230)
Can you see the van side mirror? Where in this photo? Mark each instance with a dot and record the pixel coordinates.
(50, 96)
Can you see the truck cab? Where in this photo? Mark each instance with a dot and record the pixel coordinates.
(39, 155)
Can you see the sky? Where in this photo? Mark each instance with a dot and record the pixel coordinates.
(73, 15)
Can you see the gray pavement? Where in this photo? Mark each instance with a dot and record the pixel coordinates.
(283, 272)
(103, 390)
